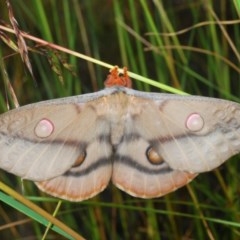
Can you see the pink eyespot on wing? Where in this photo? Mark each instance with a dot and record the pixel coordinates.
(194, 122)
(44, 128)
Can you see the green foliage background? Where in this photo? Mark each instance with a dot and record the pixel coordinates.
(189, 45)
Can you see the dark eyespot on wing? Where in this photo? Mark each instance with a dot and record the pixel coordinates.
(81, 157)
(153, 156)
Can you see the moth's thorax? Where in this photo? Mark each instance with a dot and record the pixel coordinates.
(116, 106)
(119, 111)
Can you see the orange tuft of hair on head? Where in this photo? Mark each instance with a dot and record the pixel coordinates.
(117, 79)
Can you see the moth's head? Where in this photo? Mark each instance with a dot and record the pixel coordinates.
(115, 78)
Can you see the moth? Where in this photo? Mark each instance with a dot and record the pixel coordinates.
(147, 144)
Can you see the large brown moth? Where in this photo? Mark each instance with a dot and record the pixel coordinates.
(147, 144)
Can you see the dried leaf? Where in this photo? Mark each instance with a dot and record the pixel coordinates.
(22, 47)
